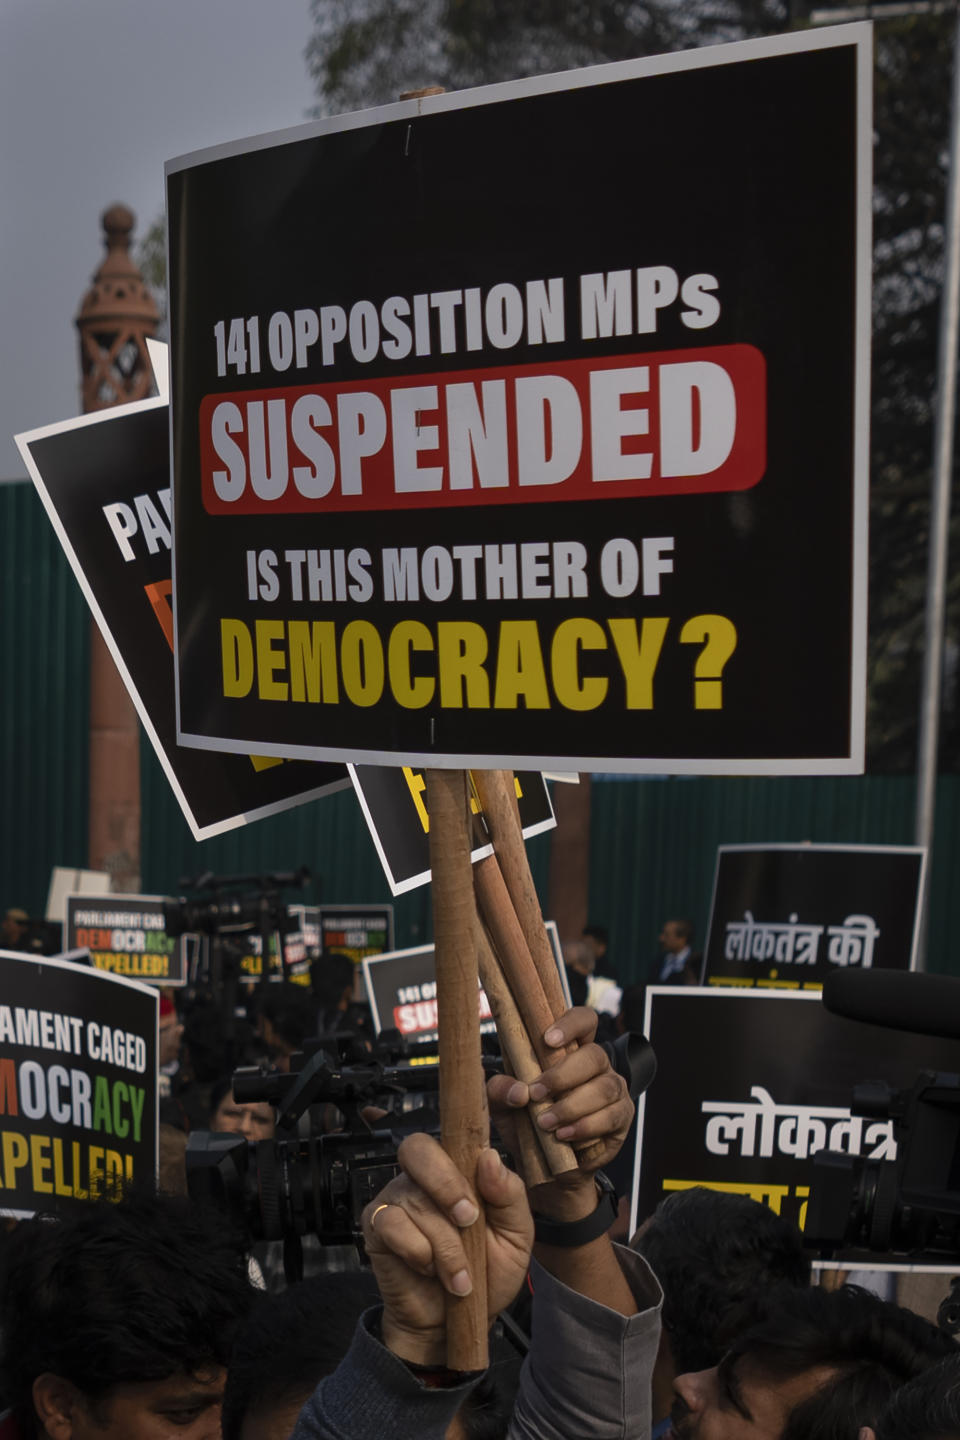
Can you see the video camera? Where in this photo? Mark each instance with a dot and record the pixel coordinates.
(258, 903)
(308, 1180)
(910, 1204)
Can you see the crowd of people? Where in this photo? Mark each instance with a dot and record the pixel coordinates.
(148, 1318)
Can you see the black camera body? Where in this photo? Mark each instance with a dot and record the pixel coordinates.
(310, 1180)
(910, 1204)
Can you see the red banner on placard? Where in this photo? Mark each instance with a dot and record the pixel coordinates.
(669, 423)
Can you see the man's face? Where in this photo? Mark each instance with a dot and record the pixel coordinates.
(735, 1402)
(254, 1121)
(182, 1407)
(13, 929)
(670, 942)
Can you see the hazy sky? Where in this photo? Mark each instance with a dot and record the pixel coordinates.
(94, 96)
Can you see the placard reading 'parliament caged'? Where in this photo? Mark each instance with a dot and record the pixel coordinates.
(527, 425)
(78, 1084)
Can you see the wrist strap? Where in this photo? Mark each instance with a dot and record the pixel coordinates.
(571, 1233)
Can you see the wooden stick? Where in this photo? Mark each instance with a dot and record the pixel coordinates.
(464, 1128)
(523, 1063)
(498, 800)
(514, 956)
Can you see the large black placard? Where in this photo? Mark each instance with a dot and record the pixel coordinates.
(78, 1083)
(787, 916)
(751, 1084)
(520, 427)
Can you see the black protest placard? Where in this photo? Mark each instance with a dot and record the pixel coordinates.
(402, 992)
(105, 482)
(78, 1083)
(356, 931)
(517, 428)
(126, 935)
(786, 916)
(394, 804)
(751, 1084)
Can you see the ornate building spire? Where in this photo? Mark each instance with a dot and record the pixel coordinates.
(116, 317)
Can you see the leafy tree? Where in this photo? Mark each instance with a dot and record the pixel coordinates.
(366, 52)
(911, 159)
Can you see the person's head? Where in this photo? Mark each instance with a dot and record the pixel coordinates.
(578, 955)
(288, 1015)
(255, 1120)
(13, 928)
(331, 978)
(117, 1323)
(287, 1344)
(822, 1366)
(675, 936)
(926, 1409)
(598, 938)
(718, 1257)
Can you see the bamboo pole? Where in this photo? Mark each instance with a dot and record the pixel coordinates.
(464, 1128)
(550, 1156)
(509, 902)
(498, 800)
(514, 956)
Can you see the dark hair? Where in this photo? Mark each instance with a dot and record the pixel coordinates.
(118, 1294)
(926, 1409)
(219, 1091)
(290, 1341)
(330, 976)
(874, 1348)
(292, 1011)
(715, 1255)
(684, 929)
(597, 932)
(486, 1409)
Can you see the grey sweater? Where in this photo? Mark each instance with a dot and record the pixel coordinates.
(587, 1376)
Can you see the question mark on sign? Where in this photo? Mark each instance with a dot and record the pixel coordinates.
(718, 636)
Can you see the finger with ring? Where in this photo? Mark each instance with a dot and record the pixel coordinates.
(373, 1217)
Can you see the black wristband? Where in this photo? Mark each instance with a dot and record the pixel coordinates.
(570, 1233)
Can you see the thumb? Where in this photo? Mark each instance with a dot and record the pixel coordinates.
(503, 1192)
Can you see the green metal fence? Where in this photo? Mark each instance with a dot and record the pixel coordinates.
(44, 703)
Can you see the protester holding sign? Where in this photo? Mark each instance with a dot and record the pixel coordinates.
(596, 1307)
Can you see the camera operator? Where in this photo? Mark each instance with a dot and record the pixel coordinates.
(255, 1121)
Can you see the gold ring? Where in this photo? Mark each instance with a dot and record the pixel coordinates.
(373, 1217)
